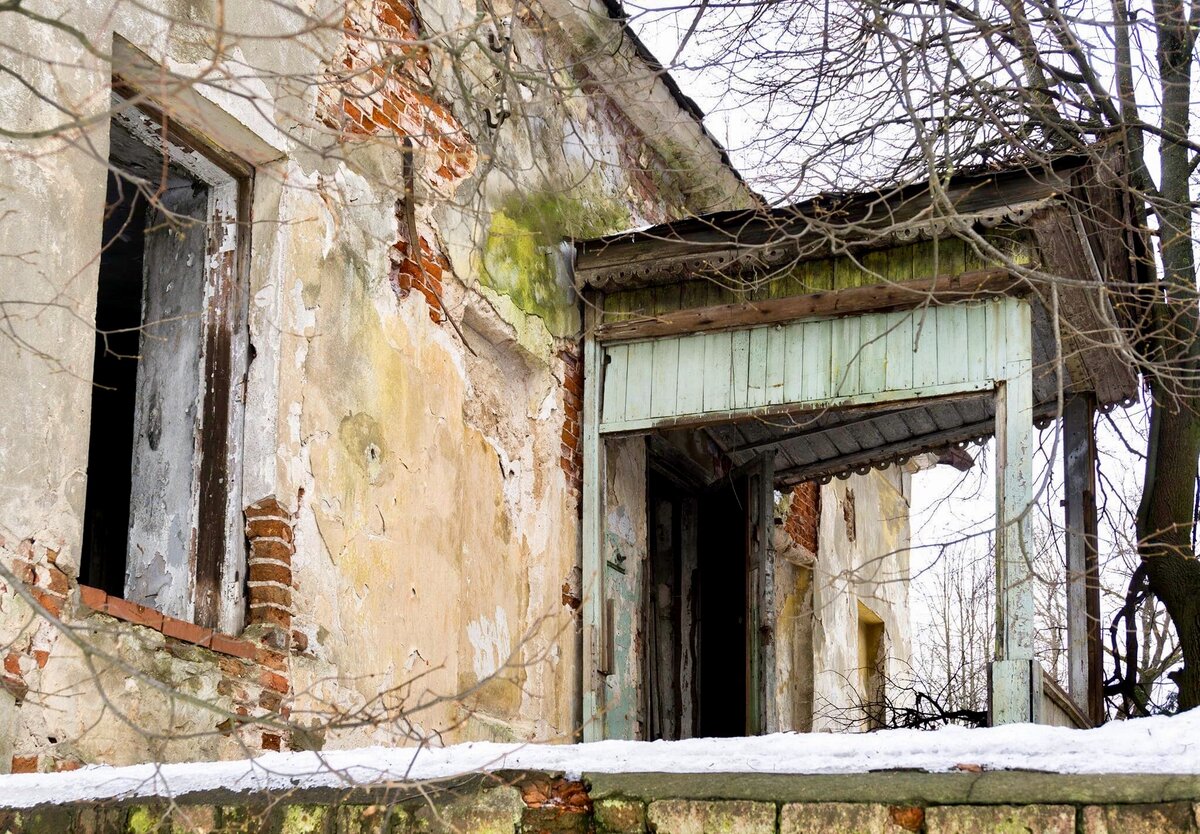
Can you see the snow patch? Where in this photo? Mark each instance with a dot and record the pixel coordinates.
(1147, 745)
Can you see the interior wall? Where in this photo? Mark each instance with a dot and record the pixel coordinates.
(862, 557)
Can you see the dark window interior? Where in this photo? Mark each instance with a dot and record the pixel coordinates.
(114, 389)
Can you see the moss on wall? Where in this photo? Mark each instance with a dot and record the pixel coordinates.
(518, 258)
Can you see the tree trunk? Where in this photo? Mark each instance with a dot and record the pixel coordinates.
(1166, 515)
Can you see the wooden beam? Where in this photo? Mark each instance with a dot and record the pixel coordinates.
(876, 298)
(760, 601)
(1079, 473)
(592, 585)
(1015, 685)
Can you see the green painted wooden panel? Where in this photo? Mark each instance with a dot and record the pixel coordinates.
(856, 359)
(616, 374)
(718, 373)
(846, 346)
(690, 386)
(756, 377)
(638, 385)
(906, 262)
(776, 369)
(951, 337)
(818, 359)
(925, 346)
(899, 350)
(740, 379)
(664, 391)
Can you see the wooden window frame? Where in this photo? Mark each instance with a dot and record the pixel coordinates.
(218, 552)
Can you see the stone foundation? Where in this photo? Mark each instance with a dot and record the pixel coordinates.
(523, 803)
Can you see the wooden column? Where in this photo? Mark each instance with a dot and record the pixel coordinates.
(594, 663)
(760, 588)
(1084, 648)
(1015, 685)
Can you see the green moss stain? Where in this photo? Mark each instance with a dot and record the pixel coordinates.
(143, 820)
(304, 819)
(518, 258)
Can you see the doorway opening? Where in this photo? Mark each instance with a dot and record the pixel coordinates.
(699, 680)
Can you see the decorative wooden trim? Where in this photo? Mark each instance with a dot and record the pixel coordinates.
(876, 298)
(882, 456)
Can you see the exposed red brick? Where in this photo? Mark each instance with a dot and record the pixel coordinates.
(93, 598)
(53, 603)
(270, 700)
(561, 794)
(261, 527)
(237, 648)
(24, 571)
(804, 515)
(12, 663)
(271, 536)
(273, 594)
(270, 659)
(273, 681)
(188, 632)
(232, 666)
(269, 572)
(270, 615)
(131, 612)
(267, 507)
(57, 581)
(385, 66)
(271, 548)
(910, 817)
(300, 641)
(24, 764)
(61, 765)
(571, 453)
(272, 741)
(41, 656)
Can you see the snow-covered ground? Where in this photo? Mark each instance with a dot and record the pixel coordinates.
(1149, 745)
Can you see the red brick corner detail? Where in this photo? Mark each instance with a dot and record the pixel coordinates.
(269, 530)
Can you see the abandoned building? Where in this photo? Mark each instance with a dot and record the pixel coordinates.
(343, 408)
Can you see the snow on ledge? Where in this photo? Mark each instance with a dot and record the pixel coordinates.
(1149, 745)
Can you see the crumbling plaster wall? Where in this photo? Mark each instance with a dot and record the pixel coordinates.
(435, 529)
(869, 564)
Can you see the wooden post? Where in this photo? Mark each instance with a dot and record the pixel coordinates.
(1083, 626)
(592, 588)
(1015, 685)
(760, 627)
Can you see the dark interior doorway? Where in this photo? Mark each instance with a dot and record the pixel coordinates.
(697, 670)
(723, 611)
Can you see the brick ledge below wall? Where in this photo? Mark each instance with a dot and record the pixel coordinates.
(131, 612)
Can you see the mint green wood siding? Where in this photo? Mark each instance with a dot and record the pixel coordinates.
(875, 357)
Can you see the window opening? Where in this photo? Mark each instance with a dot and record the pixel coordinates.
(162, 512)
(871, 658)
